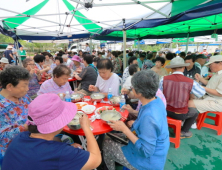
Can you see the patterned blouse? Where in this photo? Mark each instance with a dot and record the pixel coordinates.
(12, 118)
(116, 65)
(33, 85)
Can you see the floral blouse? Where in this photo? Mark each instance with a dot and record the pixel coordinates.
(12, 118)
(116, 65)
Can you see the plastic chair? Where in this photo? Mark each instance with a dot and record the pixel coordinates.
(217, 119)
(176, 125)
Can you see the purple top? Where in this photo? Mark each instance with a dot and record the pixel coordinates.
(49, 86)
(33, 85)
(159, 94)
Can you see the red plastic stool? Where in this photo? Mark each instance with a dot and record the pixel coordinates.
(176, 125)
(217, 120)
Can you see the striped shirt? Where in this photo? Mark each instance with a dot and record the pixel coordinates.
(49, 86)
(197, 89)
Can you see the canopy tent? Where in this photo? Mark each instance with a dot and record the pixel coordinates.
(57, 19)
(204, 19)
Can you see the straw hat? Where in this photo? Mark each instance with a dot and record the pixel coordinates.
(9, 46)
(177, 62)
(214, 59)
(4, 60)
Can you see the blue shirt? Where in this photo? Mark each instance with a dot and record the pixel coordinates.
(26, 153)
(150, 150)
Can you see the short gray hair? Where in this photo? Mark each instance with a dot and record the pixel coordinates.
(64, 56)
(26, 61)
(146, 82)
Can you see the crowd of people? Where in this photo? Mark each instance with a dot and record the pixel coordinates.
(155, 85)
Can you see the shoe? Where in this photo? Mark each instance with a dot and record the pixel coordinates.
(194, 126)
(185, 134)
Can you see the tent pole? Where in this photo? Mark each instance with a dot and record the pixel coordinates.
(220, 49)
(90, 45)
(138, 47)
(188, 36)
(17, 48)
(124, 49)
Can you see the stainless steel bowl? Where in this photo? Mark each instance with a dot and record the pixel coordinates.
(111, 112)
(77, 97)
(98, 97)
(115, 100)
(75, 124)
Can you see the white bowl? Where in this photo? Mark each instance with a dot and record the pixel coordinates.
(88, 109)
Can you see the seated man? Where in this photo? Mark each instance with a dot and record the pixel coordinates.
(200, 61)
(13, 104)
(177, 89)
(212, 101)
(59, 83)
(192, 69)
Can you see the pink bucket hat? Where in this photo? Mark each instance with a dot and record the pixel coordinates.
(76, 58)
(49, 113)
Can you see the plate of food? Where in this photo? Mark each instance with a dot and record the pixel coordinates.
(104, 108)
(80, 105)
(88, 109)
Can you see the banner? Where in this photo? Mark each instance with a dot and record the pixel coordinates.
(182, 40)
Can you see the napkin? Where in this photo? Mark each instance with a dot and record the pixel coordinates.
(94, 117)
(108, 102)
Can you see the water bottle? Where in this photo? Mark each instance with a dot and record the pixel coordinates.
(67, 97)
(110, 93)
(122, 101)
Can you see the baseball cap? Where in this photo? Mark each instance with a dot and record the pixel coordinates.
(49, 113)
(214, 59)
(201, 56)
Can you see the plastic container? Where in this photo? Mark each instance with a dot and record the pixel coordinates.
(68, 97)
(122, 101)
(109, 93)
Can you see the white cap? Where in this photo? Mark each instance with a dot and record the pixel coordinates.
(214, 59)
(4, 60)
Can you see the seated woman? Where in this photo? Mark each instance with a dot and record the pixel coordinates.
(88, 76)
(158, 68)
(40, 64)
(58, 61)
(34, 86)
(106, 79)
(78, 66)
(59, 83)
(48, 60)
(36, 150)
(13, 104)
(148, 137)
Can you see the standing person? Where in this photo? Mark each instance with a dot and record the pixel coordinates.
(178, 51)
(191, 70)
(213, 100)
(36, 150)
(177, 89)
(148, 136)
(158, 68)
(132, 60)
(116, 62)
(87, 48)
(169, 57)
(204, 51)
(9, 55)
(14, 103)
(140, 60)
(22, 53)
(35, 74)
(67, 61)
(88, 76)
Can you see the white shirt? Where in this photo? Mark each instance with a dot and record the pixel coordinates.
(88, 49)
(113, 82)
(128, 85)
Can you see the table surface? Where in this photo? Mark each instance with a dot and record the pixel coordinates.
(99, 126)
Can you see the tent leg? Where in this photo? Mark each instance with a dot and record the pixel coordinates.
(138, 47)
(19, 57)
(124, 49)
(220, 49)
(188, 36)
(90, 45)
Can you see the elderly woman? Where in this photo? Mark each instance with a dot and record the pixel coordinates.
(158, 68)
(36, 150)
(88, 76)
(148, 137)
(34, 86)
(78, 66)
(106, 79)
(59, 83)
(117, 63)
(13, 104)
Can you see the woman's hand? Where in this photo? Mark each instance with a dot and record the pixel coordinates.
(92, 88)
(84, 122)
(76, 145)
(117, 125)
(125, 91)
(130, 123)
